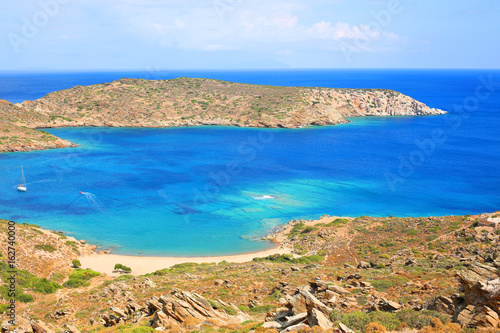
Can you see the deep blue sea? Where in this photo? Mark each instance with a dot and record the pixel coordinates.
(215, 190)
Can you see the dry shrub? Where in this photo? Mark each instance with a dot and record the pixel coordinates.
(190, 323)
(438, 327)
(232, 327)
(265, 330)
(316, 329)
(375, 328)
(403, 326)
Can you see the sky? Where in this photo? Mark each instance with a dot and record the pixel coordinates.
(248, 34)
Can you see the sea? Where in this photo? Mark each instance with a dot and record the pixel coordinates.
(192, 191)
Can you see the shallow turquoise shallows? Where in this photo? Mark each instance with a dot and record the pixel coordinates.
(217, 190)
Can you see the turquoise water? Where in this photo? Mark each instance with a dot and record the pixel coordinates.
(216, 190)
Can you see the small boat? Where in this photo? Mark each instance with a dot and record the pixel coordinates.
(22, 187)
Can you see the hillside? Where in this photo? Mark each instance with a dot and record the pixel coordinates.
(192, 102)
(430, 274)
(17, 134)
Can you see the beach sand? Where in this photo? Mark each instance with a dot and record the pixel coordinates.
(104, 263)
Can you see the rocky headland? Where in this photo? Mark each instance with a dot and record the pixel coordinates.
(192, 102)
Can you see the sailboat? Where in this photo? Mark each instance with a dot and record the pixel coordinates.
(22, 187)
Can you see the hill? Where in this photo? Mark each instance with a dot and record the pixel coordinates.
(429, 274)
(193, 102)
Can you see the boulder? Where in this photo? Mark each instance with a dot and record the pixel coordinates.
(338, 289)
(39, 326)
(294, 320)
(296, 328)
(344, 329)
(119, 312)
(72, 329)
(317, 318)
(364, 265)
(272, 325)
(481, 284)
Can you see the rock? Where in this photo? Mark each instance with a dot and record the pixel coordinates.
(345, 329)
(5, 326)
(443, 304)
(296, 328)
(304, 301)
(481, 284)
(186, 305)
(295, 269)
(119, 312)
(72, 329)
(147, 283)
(317, 318)
(294, 320)
(218, 282)
(253, 303)
(24, 326)
(411, 262)
(337, 289)
(364, 265)
(389, 306)
(40, 327)
(272, 325)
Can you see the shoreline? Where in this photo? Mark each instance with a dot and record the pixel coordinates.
(140, 265)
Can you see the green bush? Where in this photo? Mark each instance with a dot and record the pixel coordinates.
(337, 222)
(79, 278)
(45, 247)
(356, 320)
(142, 329)
(308, 229)
(290, 259)
(76, 263)
(384, 284)
(387, 319)
(262, 309)
(76, 283)
(83, 274)
(123, 268)
(419, 319)
(3, 308)
(25, 298)
(45, 286)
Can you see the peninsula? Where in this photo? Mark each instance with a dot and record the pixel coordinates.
(191, 102)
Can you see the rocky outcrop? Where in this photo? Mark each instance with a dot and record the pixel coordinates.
(179, 307)
(481, 306)
(313, 304)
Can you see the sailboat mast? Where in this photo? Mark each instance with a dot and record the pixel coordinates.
(22, 173)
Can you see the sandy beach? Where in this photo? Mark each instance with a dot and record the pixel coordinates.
(104, 263)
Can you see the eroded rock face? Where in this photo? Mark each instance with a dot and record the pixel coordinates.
(481, 285)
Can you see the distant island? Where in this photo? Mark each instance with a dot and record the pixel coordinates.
(191, 102)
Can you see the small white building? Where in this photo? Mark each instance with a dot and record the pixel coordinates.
(493, 222)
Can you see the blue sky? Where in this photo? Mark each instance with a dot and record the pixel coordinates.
(228, 34)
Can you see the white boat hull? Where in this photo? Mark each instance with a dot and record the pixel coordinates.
(21, 188)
